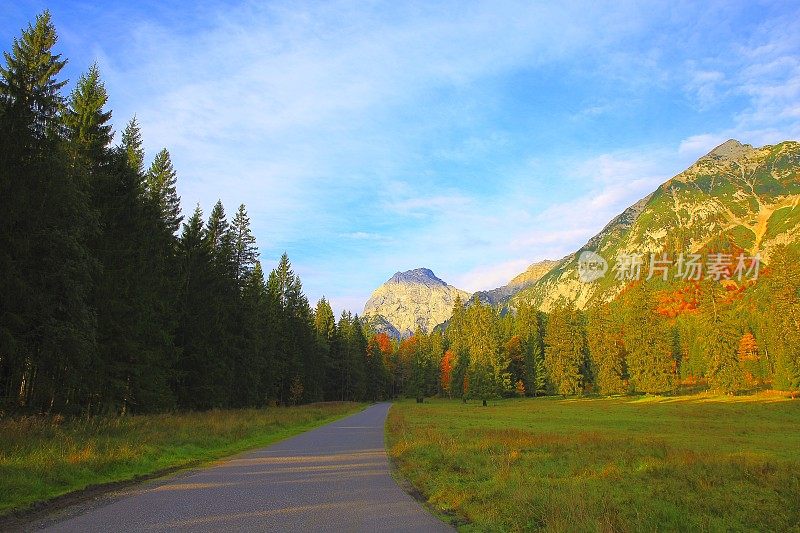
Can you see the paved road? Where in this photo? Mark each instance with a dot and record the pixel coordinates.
(333, 478)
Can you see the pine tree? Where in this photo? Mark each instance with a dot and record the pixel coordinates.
(29, 87)
(352, 349)
(724, 372)
(325, 328)
(488, 366)
(515, 353)
(783, 288)
(46, 321)
(195, 336)
(648, 343)
(245, 252)
(606, 352)
(216, 234)
(455, 337)
(375, 370)
(300, 355)
(87, 121)
(540, 379)
(251, 374)
(132, 146)
(161, 182)
(324, 321)
(565, 349)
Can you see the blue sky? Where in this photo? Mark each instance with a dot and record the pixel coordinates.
(472, 138)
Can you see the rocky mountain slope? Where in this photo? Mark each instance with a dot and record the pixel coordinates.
(411, 300)
(500, 296)
(735, 196)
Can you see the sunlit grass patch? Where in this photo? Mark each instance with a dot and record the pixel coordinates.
(619, 464)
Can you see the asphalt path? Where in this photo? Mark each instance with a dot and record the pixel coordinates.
(333, 478)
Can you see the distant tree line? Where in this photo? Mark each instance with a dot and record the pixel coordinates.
(654, 337)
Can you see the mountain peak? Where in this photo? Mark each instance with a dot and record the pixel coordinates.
(411, 300)
(423, 276)
(730, 149)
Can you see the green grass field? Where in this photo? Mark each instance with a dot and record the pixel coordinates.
(41, 458)
(692, 463)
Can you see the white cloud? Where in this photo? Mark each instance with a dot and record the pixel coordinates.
(705, 85)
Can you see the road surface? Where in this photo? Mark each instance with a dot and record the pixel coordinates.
(333, 478)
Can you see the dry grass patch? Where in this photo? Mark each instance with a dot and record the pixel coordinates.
(619, 464)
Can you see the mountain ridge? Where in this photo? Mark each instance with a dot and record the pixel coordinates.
(735, 195)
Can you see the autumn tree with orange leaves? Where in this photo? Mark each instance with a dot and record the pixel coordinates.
(446, 373)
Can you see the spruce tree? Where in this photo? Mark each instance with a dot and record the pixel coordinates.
(565, 349)
(46, 322)
(245, 253)
(720, 340)
(540, 379)
(87, 121)
(325, 328)
(488, 366)
(648, 343)
(252, 371)
(131, 145)
(161, 182)
(606, 352)
(29, 84)
(194, 337)
(783, 327)
(375, 371)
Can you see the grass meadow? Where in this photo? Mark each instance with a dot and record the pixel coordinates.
(41, 458)
(695, 463)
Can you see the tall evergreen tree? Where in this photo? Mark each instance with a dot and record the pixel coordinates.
(251, 373)
(245, 253)
(132, 146)
(29, 84)
(87, 121)
(193, 376)
(46, 322)
(606, 352)
(720, 341)
(488, 367)
(565, 349)
(648, 343)
(782, 330)
(161, 182)
(325, 328)
(540, 378)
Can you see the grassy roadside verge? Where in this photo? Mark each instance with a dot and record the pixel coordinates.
(42, 458)
(621, 464)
